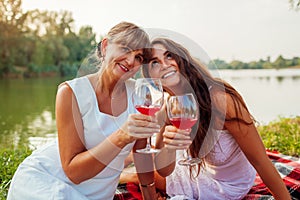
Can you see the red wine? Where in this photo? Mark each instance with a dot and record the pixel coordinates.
(183, 123)
(148, 110)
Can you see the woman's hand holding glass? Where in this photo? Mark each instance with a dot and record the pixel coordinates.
(148, 99)
(139, 126)
(183, 113)
(176, 139)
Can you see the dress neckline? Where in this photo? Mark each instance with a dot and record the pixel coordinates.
(98, 111)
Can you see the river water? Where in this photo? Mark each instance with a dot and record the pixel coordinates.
(269, 94)
(27, 105)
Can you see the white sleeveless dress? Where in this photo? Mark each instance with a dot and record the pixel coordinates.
(228, 175)
(40, 176)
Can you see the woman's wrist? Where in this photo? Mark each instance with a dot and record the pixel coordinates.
(148, 191)
(123, 139)
(147, 185)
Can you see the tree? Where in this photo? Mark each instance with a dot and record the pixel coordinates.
(238, 65)
(11, 25)
(220, 64)
(87, 40)
(280, 62)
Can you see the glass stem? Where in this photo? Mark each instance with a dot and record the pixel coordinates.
(148, 146)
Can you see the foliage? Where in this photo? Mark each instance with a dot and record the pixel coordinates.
(279, 63)
(47, 38)
(9, 161)
(282, 135)
(11, 20)
(40, 39)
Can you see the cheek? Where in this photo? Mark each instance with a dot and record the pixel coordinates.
(174, 63)
(109, 57)
(113, 55)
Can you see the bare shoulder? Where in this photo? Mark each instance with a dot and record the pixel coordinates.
(64, 90)
(229, 104)
(219, 98)
(64, 97)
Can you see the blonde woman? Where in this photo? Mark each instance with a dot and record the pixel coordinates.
(96, 127)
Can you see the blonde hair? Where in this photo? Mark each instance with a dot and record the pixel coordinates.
(128, 34)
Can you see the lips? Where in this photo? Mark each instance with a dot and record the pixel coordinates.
(168, 74)
(125, 69)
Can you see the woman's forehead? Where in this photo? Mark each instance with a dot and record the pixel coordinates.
(158, 49)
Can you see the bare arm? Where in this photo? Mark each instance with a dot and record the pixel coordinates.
(252, 146)
(145, 168)
(79, 163)
(145, 171)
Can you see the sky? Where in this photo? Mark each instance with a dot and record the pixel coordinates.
(225, 29)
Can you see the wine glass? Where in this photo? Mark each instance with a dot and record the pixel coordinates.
(148, 99)
(183, 113)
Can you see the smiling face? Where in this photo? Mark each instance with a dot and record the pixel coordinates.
(122, 51)
(122, 61)
(162, 65)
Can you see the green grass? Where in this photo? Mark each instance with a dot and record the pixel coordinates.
(9, 161)
(282, 135)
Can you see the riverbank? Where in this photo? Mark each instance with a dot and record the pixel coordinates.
(25, 72)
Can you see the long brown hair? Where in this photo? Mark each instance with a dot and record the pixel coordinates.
(201, 80)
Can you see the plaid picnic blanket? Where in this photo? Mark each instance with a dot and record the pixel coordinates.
(289, 169)
(128, 191)
(287, 166)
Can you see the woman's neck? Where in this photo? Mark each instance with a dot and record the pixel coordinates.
(106, 85)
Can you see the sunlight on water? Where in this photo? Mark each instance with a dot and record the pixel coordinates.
(41, 122)
(42, 125)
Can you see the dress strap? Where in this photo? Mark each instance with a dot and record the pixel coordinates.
(84, 93)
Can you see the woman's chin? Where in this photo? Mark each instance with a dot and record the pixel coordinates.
(171, 81)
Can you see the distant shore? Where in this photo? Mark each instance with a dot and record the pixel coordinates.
(24, 72)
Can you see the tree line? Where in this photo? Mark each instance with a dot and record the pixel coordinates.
(279, 63)
(35, 42)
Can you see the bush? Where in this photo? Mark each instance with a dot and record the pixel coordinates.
(282, 135)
